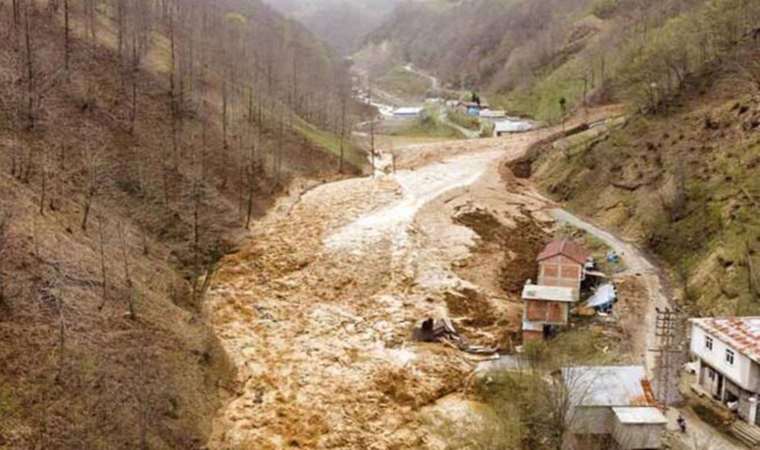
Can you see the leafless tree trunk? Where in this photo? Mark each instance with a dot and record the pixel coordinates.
(5, 222)
(225, 104)
(371, 132)
(251, 176)
(343, 101)
(66, 36)
(172, 89)
(103, 273)
(29, 68)
(43, 182)
(92, 165)
(61, 339)
(134, 73)
(127, 274)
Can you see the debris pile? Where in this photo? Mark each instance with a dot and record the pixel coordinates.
(442, 330)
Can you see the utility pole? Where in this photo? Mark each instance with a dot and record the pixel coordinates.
(371, 129)
(667, 334)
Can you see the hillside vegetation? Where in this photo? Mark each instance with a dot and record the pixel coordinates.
(342, 24)
(681, 175)
(530, 54)
(683, 182)
(137, 141)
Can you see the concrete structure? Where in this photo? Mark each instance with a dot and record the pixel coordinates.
(728, 362)
(611, 402)
(563, 263)
(508, 126)
(408, 112)
(492, 113)
(546, 308)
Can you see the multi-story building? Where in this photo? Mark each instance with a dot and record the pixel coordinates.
(728, 362)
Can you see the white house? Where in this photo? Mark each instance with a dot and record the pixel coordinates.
(728, 361)
(611, 401)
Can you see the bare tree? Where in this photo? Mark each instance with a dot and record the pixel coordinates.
(103, 273)
(93, 180)
(5, 223)
(29, 67)
(127, 273)
(66, 36)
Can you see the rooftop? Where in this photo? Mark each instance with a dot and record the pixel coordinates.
(608, 386)
(408, 110)
(511, 126)
(567, 248)
(639, 415)
(548, 293)
(741, 333)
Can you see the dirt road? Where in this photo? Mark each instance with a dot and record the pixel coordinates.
(700, 435)
(636, 264)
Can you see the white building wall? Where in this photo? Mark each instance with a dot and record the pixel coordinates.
(637, 436)
(740, 372)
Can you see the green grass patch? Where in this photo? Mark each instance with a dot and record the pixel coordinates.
(403, 83)
(429, 126)
(8, 402)
(330, 143)
(463, 120)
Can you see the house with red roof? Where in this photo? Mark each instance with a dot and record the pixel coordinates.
(728, 362)
(562, 263)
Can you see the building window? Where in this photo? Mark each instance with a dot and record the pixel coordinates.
(730, 356)
(708, 342)
(710, 374)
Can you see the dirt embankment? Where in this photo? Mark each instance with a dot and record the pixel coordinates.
(682, 184)
(78, 370)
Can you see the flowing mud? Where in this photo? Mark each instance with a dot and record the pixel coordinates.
(318, 310)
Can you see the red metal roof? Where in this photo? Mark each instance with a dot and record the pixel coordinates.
(564, 247)
(741, 333)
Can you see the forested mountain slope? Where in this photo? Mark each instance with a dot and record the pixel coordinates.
(137, 139)
(342, 24)
(527, 55)
(684, 182)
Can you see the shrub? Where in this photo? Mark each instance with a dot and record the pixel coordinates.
(604, 9)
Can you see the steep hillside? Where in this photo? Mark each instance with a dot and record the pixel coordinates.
(135, 146)
(469, 43)
(342, 24)
(528, 55)
(684, 183)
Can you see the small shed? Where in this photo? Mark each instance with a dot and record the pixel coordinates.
(408, 112)
(563, 263)
(615, 401)
(502, 127)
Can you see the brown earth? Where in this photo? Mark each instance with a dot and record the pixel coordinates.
(317, 310)
(76, 371)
